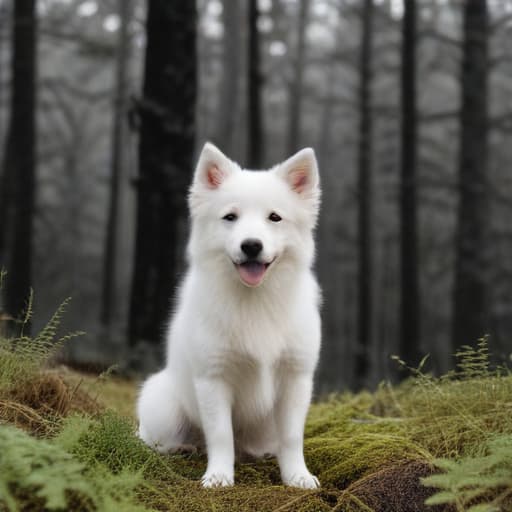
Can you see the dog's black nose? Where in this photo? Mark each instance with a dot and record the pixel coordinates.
(251, 247)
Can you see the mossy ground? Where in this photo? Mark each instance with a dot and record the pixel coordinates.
(71, 445)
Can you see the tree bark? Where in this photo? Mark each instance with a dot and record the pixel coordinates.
(470, 308)
(118, 138)
(409, 348)
(296, 85)
(19, 170)
(254, 85)
(365, 313)
(166, 147)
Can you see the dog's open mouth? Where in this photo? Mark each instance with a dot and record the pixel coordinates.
(252, 272)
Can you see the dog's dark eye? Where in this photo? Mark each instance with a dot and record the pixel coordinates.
(230, 217)
(274, 217)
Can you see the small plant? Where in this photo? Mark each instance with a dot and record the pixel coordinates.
(474, 362)
(479, 483)
(21, 357)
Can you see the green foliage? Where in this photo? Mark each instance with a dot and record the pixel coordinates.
(21, 357)
(45, 475)
(474, 362)
(450, 414)
(29, 464)
(477, 483)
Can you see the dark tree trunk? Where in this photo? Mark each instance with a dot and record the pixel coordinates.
(254, 85)
(296, 85)
(167, 133)
(19, 170)
(4, 182)
(409, 300)
(118, 138)
(364, 315)
(470, 318)
(229, 94)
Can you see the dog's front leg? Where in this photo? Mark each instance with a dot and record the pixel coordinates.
(292, 408)
(214, 400)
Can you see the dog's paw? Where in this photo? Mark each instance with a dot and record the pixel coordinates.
(216, 479)
(304, 480)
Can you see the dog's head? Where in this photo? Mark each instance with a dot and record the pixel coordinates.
(253, 222)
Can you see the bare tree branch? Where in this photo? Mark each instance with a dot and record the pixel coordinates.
(431, 33)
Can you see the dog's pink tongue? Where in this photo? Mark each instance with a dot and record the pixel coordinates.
(251, 272)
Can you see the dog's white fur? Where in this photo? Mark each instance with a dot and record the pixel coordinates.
(241, 358)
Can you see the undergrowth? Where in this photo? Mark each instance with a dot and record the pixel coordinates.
(456, 413)
(64, 448)
(23, 356)
(40, 473)
(477, 483)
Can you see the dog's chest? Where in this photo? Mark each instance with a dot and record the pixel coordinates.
(259, 339)
(255, 388)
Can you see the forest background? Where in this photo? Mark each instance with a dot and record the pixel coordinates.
(105, 105)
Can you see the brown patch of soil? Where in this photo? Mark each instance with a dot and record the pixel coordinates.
(37, 404)
(395, 488)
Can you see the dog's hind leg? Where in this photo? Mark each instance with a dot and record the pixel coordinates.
(162, 421)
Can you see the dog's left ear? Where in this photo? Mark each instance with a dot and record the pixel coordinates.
(301, 173)
(213, 167)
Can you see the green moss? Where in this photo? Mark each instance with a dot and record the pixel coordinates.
(451, 415)
(339, 462)
(110, 441)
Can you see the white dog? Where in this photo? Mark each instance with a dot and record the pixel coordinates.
(244, 340)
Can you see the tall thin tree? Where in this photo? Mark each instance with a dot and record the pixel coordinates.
(365, 313)
(118, 138)
(409, 288)
(254, 86)
(229, 94)
(296, 84)
(470, 308)
(166, 150)
(19, 170)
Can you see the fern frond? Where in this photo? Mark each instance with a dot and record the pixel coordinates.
(46, 337)
(29, 312)
(481, 483)
(474, 362)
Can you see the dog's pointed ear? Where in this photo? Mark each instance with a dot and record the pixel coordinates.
(213, 167)
(301, 172)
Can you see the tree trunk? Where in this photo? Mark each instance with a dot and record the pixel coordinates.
(229, 94)
(19, 170)
(296, 85)
(118, 143)
(470, 315)
(166, 151)
(364, 318)
(254, 85)
(409, 348)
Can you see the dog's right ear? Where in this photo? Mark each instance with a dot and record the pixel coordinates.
(213, 167)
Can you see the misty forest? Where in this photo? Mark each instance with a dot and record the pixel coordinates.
(104, 108)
